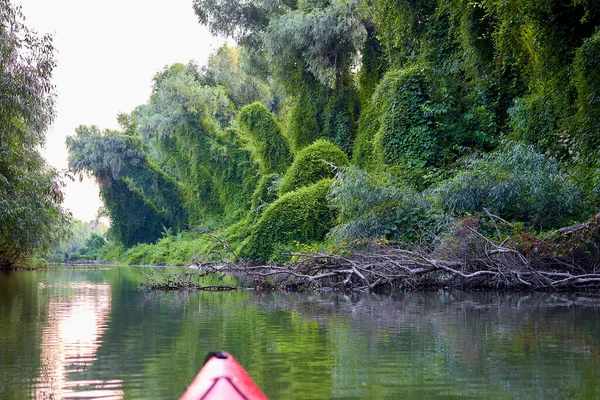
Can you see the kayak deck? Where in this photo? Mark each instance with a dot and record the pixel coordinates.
(222, 377)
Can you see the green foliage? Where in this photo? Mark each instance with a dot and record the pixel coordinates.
(587, 82)
(312, 164)
(326, 37)
(305, 120)
(265, 192)
(31, 217)
(414, 123)
(92, 248)
(404, 28)
(438, 80)
(240, 19)
(320, 112)
(84, 243)
(139, 197)
(269, 147)
(134, 218)
(368, 125)
(303, 215)
(234, 172)
(407, 123)
(339, 118)
(178, 249)
(103, 154)
(516, 183)
(536, 120)
(179, 124)
(228, 67)
(371, 207)
(372, 69)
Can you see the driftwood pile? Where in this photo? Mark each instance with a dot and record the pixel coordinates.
(467, 259)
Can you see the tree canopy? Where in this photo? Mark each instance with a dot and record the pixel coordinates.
(31, 216)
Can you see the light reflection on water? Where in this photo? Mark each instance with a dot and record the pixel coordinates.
(77, 316)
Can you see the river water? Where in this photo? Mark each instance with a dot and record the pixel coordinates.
(94, 333)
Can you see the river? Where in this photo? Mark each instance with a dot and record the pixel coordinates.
(94, 333)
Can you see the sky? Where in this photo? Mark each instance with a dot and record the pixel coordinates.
(107, 53)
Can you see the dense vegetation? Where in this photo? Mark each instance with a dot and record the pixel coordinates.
(337, 123)
(31, 217)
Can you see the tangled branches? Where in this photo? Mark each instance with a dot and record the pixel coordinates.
(465, 259)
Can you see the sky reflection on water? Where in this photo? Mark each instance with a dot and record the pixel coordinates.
(95, 333)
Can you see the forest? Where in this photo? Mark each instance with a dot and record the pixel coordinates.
(449, 137)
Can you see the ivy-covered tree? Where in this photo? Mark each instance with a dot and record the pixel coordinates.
(184, 125)
(312, 46)
(141, 200)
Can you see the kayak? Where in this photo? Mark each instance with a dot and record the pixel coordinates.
(222, 377)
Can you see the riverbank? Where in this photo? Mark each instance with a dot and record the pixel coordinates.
(562, 260)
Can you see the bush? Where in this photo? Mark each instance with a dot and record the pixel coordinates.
(586, 68)
(269, 147)
(516, 183)
(265, 193)
(369, 209)
(313, 164)
(303, 215)
(536, 119)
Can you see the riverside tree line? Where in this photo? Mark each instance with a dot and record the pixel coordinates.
(338, 125)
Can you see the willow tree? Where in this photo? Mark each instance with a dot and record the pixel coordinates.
(141, 200)
(313, 48)
(31, 217)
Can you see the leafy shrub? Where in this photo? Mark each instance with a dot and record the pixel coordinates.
(171, 249)
(587, 81)
(269, 147)
(92, 248)
(369, 209)
(303, 215)
(536, 120)
(516, 183)
(265, 192)
(313, 164)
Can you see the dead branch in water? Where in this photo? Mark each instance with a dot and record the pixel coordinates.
(467, 259)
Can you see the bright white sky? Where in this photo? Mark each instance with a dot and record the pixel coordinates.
(108, 51)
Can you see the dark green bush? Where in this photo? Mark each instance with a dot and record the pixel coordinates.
(536, 120)
(587, 81)
(516, 183)
(265, 192)
(372, 207)
(303, 216)
(312, 164)
(269, 147)
(305, 120)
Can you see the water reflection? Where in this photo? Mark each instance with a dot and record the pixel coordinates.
(77, 316)
(96, 334)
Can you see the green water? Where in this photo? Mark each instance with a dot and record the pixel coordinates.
(93, 333)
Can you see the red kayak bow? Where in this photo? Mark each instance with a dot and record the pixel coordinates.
(222, 377)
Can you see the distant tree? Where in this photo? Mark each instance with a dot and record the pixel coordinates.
(31, 216)
(141, 199)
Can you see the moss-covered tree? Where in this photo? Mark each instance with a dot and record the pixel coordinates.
(312, 164)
